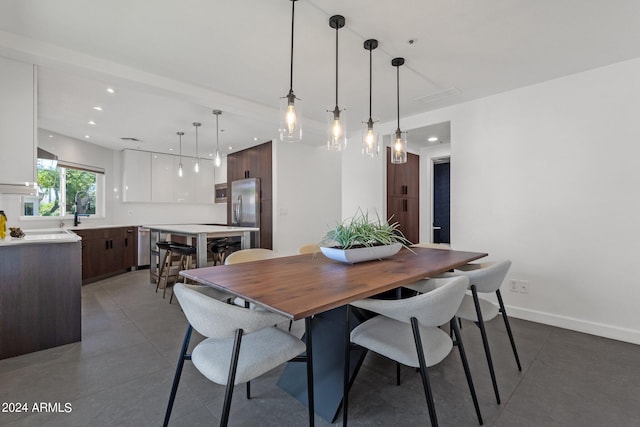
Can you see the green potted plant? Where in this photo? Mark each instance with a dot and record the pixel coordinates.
(361, 238)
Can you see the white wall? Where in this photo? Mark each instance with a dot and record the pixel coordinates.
(364, 180)
(547, 176)
(306, 194)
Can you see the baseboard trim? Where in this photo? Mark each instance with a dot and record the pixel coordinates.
(580, 325)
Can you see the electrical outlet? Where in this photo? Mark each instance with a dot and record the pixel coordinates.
(519, 286)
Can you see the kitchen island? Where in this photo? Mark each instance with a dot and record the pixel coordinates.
(40, 285)
(201, 233)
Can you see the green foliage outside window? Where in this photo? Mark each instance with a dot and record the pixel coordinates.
(67, 183)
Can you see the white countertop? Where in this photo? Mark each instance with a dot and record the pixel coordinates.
(198, 228)
(47, 235)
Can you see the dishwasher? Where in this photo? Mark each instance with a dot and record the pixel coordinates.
(144, 247)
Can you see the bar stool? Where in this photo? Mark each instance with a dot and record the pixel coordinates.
(186, 259)
(166, 265)
(219, 250)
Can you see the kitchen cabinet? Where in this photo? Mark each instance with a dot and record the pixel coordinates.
(17, 122)
(255, 162)
(184, 189)
(107, 251)
(403, 195)
(40, 292)
(163, 176)
(153, 177)
(205, 182)
(136, 176)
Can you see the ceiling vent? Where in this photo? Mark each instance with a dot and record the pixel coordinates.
(128, 138)
(436, 96)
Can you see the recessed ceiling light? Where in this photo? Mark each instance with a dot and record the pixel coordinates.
(255, 138)
(111, 90)
(432, 139)
(87, 136)
(91, 122)
(230, 148)
(97, 108)
(50, 136)
(210, 154)
(170, 149)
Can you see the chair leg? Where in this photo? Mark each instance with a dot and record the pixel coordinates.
(423, 372)
(228, 395)
(347, 365)
(163, 266)
(309, 353)
(465, 365)
(248, 390)
(508, 326)
(176, 377)
(397, 373)
(485, 342)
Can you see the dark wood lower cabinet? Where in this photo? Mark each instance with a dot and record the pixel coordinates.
(107, 251)
(39, 297)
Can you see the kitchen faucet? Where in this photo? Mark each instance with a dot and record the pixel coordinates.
(76, 221)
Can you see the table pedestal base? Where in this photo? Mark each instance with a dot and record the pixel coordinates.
(328, 364)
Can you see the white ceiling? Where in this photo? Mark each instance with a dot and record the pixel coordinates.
(171, 62)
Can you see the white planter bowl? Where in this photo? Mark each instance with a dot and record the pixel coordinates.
(353, 256)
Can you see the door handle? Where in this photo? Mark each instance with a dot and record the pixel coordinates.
(405, 205)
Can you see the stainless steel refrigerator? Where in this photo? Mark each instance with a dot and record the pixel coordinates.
(245, 206)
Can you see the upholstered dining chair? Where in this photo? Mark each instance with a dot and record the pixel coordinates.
(407, 331)
(310, 248)
(240, 344)
(483, 278)
(247, 255)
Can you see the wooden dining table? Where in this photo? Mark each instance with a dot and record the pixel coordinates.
(310, 286)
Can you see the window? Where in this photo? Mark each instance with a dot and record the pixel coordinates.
(66, 189)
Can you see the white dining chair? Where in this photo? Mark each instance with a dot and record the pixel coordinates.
(483, 278)
(240, 345)
(407, 331)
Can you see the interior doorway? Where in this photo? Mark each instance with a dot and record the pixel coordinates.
(441, 200)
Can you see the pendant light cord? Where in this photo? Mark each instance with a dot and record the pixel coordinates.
(398, 93)
(293, 10)
(217, 135)
(370, 79)
(337, 28)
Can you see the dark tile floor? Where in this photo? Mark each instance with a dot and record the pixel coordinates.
(121, 373)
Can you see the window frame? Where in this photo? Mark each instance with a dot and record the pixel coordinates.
(62, 167)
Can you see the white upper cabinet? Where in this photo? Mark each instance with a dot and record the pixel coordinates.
(205, 182)
(153, 177)
(163, 176)
(17, 122)
(185, 185)
(136, 176)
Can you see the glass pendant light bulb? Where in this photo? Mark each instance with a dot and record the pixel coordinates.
(290, 116)
(196, 166)
(218, 160)
(370, 144)
(337, 132)
(292, 120)
(180, 162)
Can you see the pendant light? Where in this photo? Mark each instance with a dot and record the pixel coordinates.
(370, 138)
(337, 128)
(180, 163)
(290, 111)
(218, 160)
(398, 138)
(196, 167)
